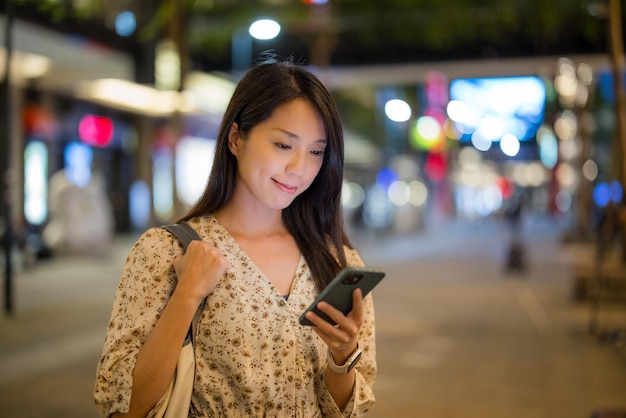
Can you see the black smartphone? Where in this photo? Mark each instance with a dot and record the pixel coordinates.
(338, 293)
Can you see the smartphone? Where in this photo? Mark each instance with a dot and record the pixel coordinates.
(338, 293)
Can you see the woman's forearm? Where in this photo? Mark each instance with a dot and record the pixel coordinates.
(156, 361)
(340, 386)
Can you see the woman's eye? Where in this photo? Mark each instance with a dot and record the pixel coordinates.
(283, 146)
(319, 152)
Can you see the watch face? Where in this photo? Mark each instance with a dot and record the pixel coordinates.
(354, 362)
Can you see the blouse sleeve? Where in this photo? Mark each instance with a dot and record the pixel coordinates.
(362, 398)
(145, 285)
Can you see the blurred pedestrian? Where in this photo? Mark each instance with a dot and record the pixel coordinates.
(272, 229)
(81, 216)
(516, 250)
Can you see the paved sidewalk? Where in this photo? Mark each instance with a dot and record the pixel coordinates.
(50, 345)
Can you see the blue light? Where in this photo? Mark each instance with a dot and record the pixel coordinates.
(139, 204)
(78, 158)
(385, 178)
(602, 194)
(498, 106)
(125, 24)
(548, 147)
(617, 192)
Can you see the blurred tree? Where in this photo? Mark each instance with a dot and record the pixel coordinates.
(360, 32)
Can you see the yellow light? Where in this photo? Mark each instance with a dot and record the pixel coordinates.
(25, 65)
(130, 96)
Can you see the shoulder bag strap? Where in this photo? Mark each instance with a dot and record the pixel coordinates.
(186, 234)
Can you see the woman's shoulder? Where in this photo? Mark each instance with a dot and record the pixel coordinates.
(206, 225)
(154, 239)
(352, 255)
(353, 258)
(158, 238)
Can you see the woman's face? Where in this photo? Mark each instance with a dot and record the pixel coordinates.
(280, 157)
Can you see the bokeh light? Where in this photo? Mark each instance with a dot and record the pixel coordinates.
(139, 207)
(548, 147)
(264, 29)
(569, 150)
(507, 188)
(497, 106)
(436, 166)
(605, 193)
(566, 125)
(529, 174)
(585, 73)
(468, 156)
(426, 133)
(566, 176)
(617, 192)
(352, 195)
(398, 110)
(602, 194)
(590, 170)
(565, 82)
(377, 209)
(95, 130)
(419, 193)
(563, 201)
(509, 144)
(163, 183)
(36, 182)
(399, 193)
(125, 23)
(385, 178)
(480, 142)
(193, 163)
(78, 158)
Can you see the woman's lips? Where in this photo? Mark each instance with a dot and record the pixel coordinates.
(285, 188)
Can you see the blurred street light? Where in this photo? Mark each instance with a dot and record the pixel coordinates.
(264, 29)
(398, 110)
(241, 43)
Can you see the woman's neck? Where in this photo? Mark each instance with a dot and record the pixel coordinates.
(249, 222)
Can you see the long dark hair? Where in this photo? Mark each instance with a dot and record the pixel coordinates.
(315, 217)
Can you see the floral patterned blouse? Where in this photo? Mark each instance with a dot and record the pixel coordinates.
(253, 358)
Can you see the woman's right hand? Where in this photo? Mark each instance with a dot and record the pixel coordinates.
(199, 270)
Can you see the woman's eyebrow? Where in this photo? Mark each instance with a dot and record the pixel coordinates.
(295, 136)
(286, 132)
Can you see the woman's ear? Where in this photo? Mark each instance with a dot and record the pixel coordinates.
(233, 138)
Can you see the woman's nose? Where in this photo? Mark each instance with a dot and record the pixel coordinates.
(296, 164)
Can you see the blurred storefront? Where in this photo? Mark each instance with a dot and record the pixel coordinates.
(96, 153)
(470, 141)
(433, 141)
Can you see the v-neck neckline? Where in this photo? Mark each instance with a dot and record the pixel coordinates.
(296, 273)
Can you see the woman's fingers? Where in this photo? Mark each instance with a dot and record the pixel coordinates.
(201, 267)
(344, 332)
(354, 317)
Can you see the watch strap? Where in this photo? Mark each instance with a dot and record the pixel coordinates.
(348, 365)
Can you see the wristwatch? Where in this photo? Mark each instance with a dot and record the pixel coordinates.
(348, 365)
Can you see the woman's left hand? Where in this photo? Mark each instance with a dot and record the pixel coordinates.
(342, 338)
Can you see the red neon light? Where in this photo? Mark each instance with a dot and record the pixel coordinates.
(95, 130)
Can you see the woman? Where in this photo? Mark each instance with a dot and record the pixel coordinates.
(272, 237)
